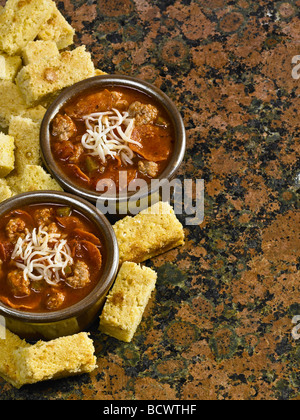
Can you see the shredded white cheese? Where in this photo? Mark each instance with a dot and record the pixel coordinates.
(44, 256)
(105, 135)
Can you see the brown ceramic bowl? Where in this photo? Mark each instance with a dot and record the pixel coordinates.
(78, 317)
(120, 201)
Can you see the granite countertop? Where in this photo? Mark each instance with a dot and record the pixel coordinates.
(220, 323)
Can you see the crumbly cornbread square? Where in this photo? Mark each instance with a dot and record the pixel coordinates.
(35, 178)
(7, 157)
(9, 67)
(27, 142)
(36, 113)
(12, 102)
(57, 29)
(8, 368)
(20, 23)
(5, 191)
(63, 357)
(152, 232)
(40, 81)
(22, 363)
(127, 300)
(39, 50)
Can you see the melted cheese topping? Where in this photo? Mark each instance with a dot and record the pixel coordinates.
(105, 135)
(43, 256)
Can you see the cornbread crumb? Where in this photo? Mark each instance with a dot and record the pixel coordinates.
(8, 367)
(5, 191)
(20, 23)
(65, 356)
(150, 233)
(2, 67)
(42, 80)
(99, 72)
(9, 67)
(39, 50)
(12, 102)
(7, 158)
(127, 300)
(57, 29)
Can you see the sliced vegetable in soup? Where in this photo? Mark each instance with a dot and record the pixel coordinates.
(50, 258)
(98, 134)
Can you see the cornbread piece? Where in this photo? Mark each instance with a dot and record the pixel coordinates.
(40, 81)
(39, 50)
(57, 29)
(12, 102)
(9, 67)
(35, 178)
(20, 22)
(63, 357)
(22, 363)
(8, 367)
(7, 158)
(26, 134)
(150, 233)
(36, 113)
(27, 152)
(5, 191)
(127, 300)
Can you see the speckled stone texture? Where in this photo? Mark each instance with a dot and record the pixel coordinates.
(219, 326)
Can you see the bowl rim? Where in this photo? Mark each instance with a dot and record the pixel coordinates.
(114, 80)
(112, 261)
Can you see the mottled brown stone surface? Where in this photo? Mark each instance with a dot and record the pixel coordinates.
(219, 325)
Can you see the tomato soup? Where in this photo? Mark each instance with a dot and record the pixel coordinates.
(98, 134)
(50, 258)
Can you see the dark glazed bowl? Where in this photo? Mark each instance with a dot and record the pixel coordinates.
(120, 201)
(76, 318)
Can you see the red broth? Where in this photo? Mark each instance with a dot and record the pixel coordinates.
(82, 161)
(44, 229)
